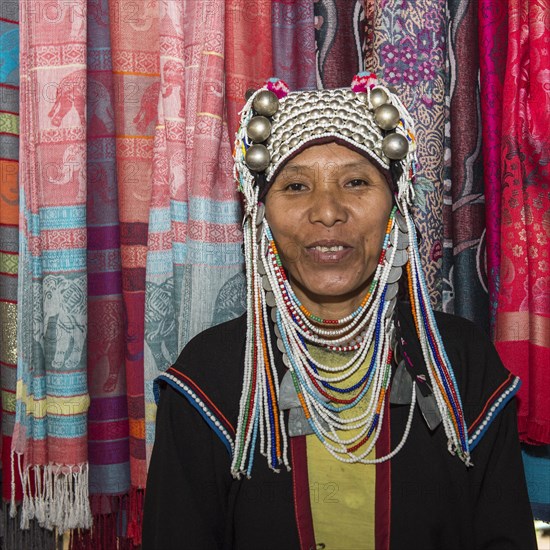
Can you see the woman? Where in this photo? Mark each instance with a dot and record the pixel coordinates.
(332, 415)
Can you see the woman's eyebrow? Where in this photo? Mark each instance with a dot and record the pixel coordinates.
(291, 167)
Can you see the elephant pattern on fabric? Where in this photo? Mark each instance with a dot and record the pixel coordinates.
(104, 340)
(72, 167)
(9, 60)
(99, 105)
(148, 108)
(160, 323)
(177, 173)
(231, 300)
(71, 92)
(174, 78)
(65, 319)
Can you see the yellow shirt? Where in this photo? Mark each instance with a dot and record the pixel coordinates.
(342, 495)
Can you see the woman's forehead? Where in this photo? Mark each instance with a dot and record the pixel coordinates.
(328, 156)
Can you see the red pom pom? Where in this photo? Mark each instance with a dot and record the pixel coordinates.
(278, 87)
(363, 81)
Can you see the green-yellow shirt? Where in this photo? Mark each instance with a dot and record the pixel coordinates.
(342, 495)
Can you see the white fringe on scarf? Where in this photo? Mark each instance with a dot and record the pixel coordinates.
(60, 500)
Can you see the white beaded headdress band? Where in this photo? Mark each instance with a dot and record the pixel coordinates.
(275, 125)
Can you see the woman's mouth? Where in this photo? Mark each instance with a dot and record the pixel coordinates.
(328, 252)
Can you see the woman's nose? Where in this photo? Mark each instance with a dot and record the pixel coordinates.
(327, 207)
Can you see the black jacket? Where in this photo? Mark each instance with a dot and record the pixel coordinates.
(431, 500)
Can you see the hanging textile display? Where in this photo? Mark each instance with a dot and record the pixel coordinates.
(339, 37)
(464, 286)
(293, 36)
(135, 66)
(522, 332)
(108, 430)
(406, 48)
(194, 228)
(49, 446)
(9, 198)
(120, 223)
(493, 40)
(248, 57)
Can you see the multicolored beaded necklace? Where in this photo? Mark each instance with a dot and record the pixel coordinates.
(320, 391)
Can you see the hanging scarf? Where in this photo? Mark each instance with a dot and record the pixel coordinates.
(293, 38)
(522, 331)
(49, 448)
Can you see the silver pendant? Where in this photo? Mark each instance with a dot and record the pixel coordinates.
(395, 275)
(401, 258)
(401, 222)
(401, 386)
(427, 403)
(259, 233)
(260, 214)
(391, 292)
(270, 299)
(266, 284)
(298, 423)
(288, 398)
(260, 267)
(391, 307)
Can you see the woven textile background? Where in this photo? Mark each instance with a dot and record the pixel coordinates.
(293, 42)
(523, 315)
(126, 241)
(464, 288)
(9, 198)
(407, 49)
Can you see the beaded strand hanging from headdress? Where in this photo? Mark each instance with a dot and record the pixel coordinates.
(275, 126)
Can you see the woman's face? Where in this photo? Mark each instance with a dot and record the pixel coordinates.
(328, 210)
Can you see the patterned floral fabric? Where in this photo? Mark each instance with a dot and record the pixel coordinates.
(406, 48)
(522, 332)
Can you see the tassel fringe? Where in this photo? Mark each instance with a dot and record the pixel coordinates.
(53, 495)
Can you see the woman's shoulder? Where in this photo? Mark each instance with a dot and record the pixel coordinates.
(224, 339)
(209, 369)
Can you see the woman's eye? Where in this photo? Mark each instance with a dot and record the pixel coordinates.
(296, 186)
(357, 182)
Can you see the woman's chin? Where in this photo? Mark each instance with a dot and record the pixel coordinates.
(338, 296)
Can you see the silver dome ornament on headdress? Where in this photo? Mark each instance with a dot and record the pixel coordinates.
(258, 129)
(386, 116)
(395, 146)
(378, 97)
(257, 157)
(265, 103)
(360, 117)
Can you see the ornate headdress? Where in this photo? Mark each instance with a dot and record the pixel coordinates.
(276, 125)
